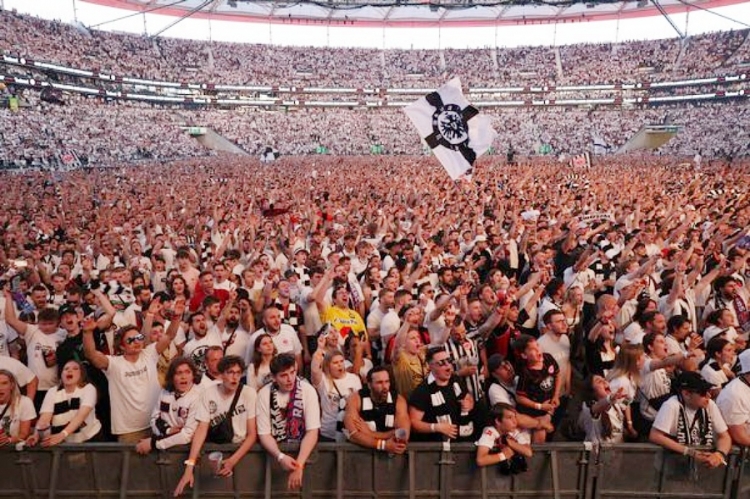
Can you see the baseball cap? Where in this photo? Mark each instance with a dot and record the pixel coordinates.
(694, 382)
(66, 309)
(495, 361)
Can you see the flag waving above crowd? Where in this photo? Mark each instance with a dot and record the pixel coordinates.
(452, 127)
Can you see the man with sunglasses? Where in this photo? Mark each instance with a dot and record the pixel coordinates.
(441, 408)
(133, 376)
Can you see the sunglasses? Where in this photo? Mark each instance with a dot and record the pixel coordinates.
(442, 362)
(133, 339)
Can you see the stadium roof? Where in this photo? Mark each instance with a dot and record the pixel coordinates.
(413, 13)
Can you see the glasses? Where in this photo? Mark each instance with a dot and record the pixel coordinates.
(133, 339)
(442, 362)
(233, 373)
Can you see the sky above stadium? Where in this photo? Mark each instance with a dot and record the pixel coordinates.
(655, 27)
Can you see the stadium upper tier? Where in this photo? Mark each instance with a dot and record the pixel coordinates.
(414, 13)
(176, 60)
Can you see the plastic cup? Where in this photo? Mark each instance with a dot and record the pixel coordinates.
(43, 433)
(215, 458)
(400, 435)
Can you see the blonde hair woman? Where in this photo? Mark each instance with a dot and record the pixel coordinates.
(334, 384)
(16, 411)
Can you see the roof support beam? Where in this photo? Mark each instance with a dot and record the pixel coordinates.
(144, 11)
(669, 19)
(195, 10)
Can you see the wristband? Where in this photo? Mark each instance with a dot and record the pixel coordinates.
(189, 462)
(686, 451)
(65, 434)
(432, 427)
(723, 454)
(280, 457)
(538, 406)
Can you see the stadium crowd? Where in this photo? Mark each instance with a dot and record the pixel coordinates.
(373, 299)
(231, 63)
(107, 132)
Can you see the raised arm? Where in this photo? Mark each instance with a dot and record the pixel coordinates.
(10, 315)
(97, 359)
(174, 326)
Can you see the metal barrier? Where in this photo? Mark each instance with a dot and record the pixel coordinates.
(344, 471)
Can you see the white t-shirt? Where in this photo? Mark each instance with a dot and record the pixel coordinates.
(330, 398)
(389, 325)
(12, 419)
(669, 414)
(714, 376)
(40, 346)
(502, 394)
(84, 396)
(490, 436)
(133, 390)
(559, 348)
(654, 383)
(310, 312)
(309, 400)
(734, 403)
(286, 340)
(366, 366)
(593, 425)
(195, 349)
(240, 343)
(261, 379)
(18, 369)
(7, 334)
(180, 414)
(626, 383)
(375, 318)
(633, 334)
(215, 403)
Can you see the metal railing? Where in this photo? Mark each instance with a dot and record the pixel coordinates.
(344, 471)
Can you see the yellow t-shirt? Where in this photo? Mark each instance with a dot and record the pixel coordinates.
(341, 318)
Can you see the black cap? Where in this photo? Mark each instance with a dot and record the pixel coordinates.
(66, 309)
(495, 361)
(693, 382)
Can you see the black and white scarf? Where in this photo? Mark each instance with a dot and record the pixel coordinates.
(379, 417)
(462, 353)
(700, 432)
(441, 409)
(290, 315)
(288, 423)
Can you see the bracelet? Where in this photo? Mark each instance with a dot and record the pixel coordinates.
(538, 406)
(189, 462)
(351, 434)
(65, 433)
(432, 427)
(686, 451)
(381, 444)
(723, 454)
(280, 457)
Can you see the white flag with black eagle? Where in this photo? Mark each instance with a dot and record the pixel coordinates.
(452, 128)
